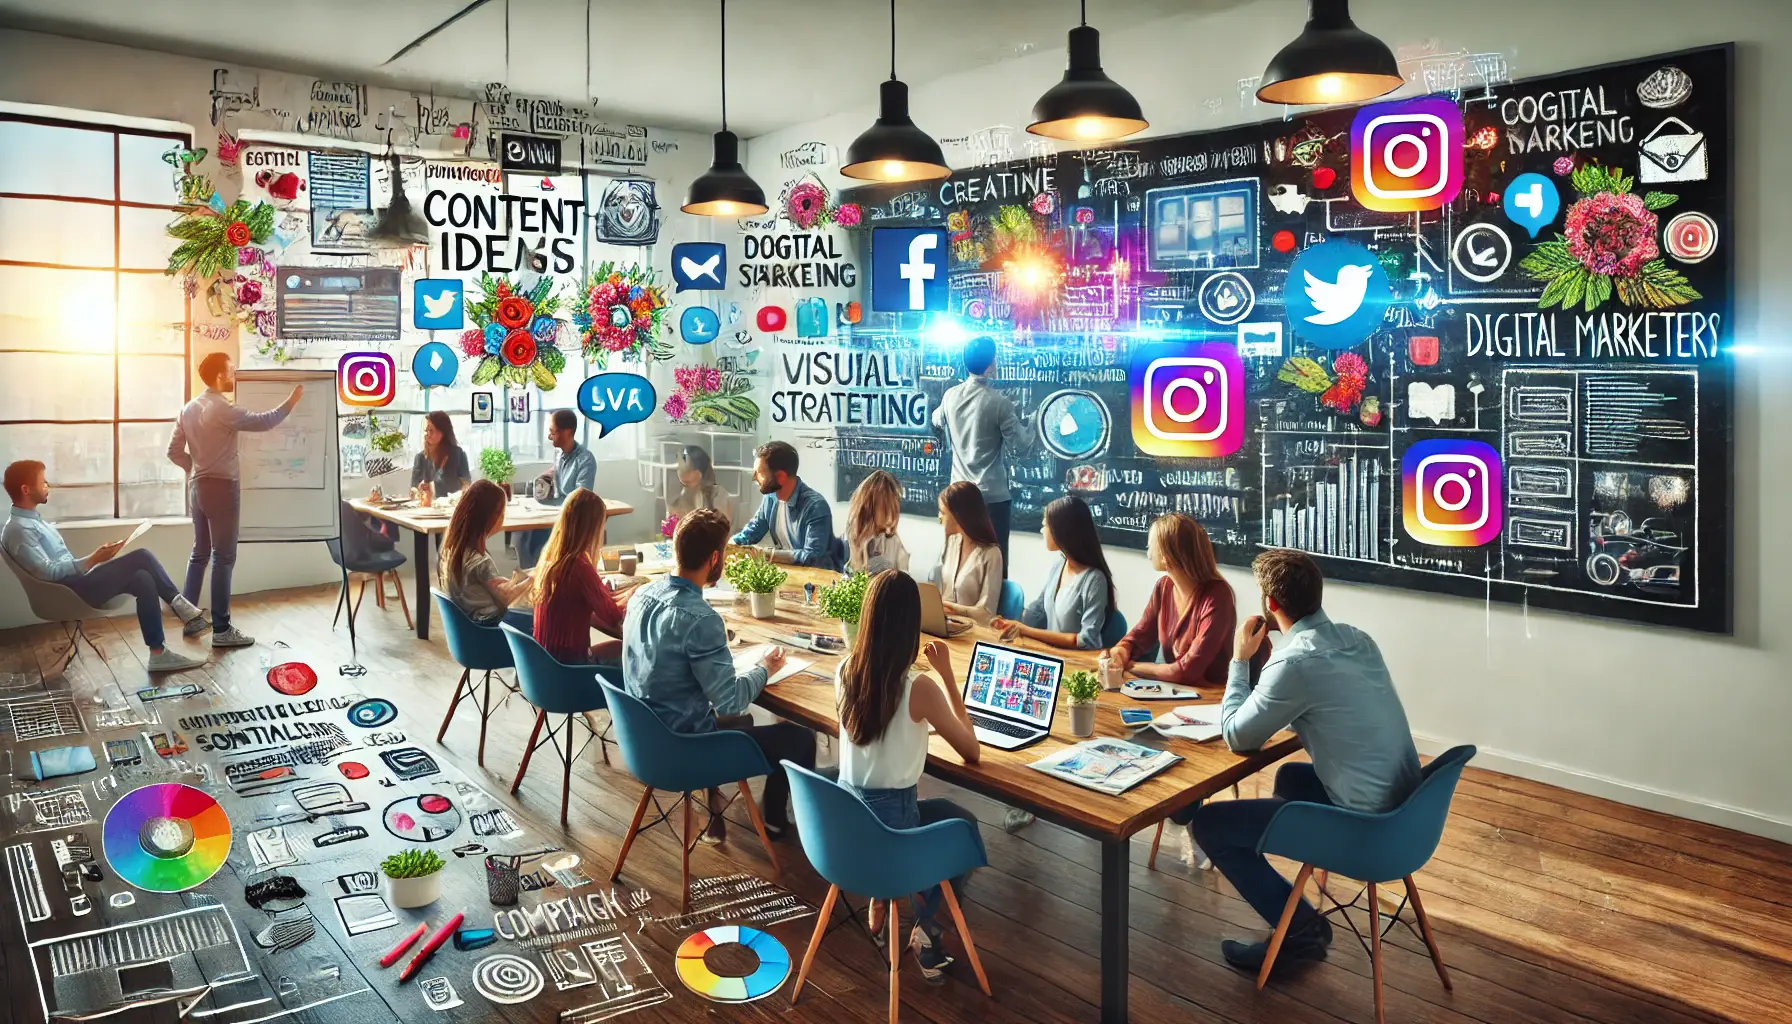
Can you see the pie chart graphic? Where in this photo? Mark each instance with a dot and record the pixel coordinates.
(773, 964)
(166, 837)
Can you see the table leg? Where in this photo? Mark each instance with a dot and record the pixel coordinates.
(1115, 930)
(420, 555)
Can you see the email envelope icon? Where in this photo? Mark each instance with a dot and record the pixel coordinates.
(1674, 152)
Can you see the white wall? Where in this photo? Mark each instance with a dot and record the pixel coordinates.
(63, 72)
(1682, 722)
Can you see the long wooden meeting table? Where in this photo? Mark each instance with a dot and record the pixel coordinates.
(1205, 769)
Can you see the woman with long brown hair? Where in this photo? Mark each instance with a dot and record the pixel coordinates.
(1189, 617)
(886, 708)
(441, 467)
(872, 544)
(570, 598)
(1072, 609)
(467, 572)
(970, 572)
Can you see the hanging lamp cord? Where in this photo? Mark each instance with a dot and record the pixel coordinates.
(892, 40)
(1083, 12)
(724, 9)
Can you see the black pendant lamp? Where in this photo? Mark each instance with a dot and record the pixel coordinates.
(1332, 61)
(1087, 106)
(893, 149)
(725, 190)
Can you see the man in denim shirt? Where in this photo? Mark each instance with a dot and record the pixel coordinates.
(799, 520)
(675, 658)
(576, 468)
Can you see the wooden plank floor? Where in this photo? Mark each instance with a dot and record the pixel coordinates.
(1550, 906)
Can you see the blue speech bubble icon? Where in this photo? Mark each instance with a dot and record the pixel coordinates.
(613, 399)
(435, 366)
(699, 325)
(1532, 202)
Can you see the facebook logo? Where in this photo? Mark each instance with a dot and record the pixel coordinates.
(908, 269)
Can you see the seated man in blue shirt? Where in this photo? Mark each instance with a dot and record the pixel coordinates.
(797, 518)
(98, 578)
(575, 468)
(675, 657)
(1327, 682)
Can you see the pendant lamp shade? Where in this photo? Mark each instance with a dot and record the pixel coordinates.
(1332, 61)
(725, 190)
(893, 149)
(1087, 106)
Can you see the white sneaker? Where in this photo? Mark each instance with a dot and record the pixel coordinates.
(184, 610)
(232, 637)
(1192, 854)
(168, 661)
(1014, 819)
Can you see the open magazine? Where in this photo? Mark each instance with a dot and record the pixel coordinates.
(1106, 765)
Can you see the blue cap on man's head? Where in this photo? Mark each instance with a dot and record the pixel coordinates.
(980, 354)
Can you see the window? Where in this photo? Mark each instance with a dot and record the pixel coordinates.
(93, 334)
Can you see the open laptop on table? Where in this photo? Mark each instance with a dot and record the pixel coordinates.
(934, 620)
(1011, 695)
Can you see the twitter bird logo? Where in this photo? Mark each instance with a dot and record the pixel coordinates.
(438, 304)
(1344, 296)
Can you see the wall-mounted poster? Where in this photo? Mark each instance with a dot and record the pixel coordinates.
(341, 201)
(1477, 345)
(338, 303)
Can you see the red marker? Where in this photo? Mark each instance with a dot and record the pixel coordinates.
(429, 948)
(403, 944)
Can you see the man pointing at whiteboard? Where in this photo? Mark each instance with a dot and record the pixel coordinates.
(983, 430)
(204, 445)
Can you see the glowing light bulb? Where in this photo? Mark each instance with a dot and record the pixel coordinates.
(1086, 127)
(1330, 86)
(724, 208)
(893, 170)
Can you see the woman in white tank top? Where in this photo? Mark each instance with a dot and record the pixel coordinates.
(885, 710)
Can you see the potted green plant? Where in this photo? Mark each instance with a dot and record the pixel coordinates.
(759, 580)
(495, 465)
(1081, 689)
(843, 600)
(414, 877)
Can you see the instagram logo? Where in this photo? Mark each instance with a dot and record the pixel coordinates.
(1450, 493)
(1406, 156)
(365, 378)
(1188, 400)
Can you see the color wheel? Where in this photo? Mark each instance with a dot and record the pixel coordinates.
(774, 964)
(166, 837)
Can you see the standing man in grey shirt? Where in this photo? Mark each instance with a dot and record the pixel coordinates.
(983, 430)
(204, 445)
(1328, 683)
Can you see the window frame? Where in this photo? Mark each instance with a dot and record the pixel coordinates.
(117, 204)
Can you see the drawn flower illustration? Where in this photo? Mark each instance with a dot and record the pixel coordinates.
(806, 205)
(514, 345)
(1611, 234)
(707, 395)
(472, 342)
(676, 405)
(1084, 215)
(622, 310)
(669, 527)
(1607, 246)
(519, 348)
(212, 238)
(848, 215)
(514, 311)
(248, 293)
(494, 336)
(544, 328)
(1564, 166)
(1045, 203)
(237, 233)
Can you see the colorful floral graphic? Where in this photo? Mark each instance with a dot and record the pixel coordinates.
(1347, 391)
(848, 215)
(806, 204)
(509, 349)
(621, 310)
(1608, 247)
(707, 395)
(211, 242)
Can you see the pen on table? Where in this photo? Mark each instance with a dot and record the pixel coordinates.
(397, 951)
(429, 948)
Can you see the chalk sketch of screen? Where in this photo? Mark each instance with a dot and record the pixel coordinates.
(1209, 225)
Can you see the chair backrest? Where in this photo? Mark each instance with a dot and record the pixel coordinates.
(847, 844)
(1114, 630)
(663, 759)
(334, 546)
(472, 645)
(53, 602)
(548, 684)
(1013, 601)
(1371, 847)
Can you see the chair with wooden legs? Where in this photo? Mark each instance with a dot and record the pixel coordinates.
(858, 854)
(475, 648)
(556, 689)
(682, 763)
(1374, 848)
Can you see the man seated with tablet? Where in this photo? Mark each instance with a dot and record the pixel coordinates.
(1011, 695)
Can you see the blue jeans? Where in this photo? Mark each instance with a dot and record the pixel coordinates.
(217, 507)
(529, 546)
(136, 573)
(1229, 830)
(900, 808)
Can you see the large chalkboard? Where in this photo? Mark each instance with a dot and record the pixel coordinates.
(1559, 408)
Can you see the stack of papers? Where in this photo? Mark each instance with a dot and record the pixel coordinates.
(1199, 723)
(747, 658)
(1106, 765)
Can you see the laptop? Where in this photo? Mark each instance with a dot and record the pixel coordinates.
(1011, 695)
(934, 620)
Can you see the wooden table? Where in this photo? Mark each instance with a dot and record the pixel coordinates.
(1205, 770)
(424, 523)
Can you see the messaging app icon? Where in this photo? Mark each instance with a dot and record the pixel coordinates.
(435, 366)
(699, 325)
(699, 266)
(437, 304)
(1532, 202)
(1337, 294)
(611, 400)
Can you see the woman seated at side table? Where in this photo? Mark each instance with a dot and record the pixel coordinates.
(467, 572)
(570, 597)
(440, 468)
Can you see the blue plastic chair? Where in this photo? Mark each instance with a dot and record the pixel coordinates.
(682, 763)
(555, 689)
(1374, 848)
(1013, 602)
(1114, 630)
(476, 648)
(850, 848)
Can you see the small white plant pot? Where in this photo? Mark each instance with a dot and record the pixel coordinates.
(420, 891)
(763, 606)
(1082, 719)
(849, 630)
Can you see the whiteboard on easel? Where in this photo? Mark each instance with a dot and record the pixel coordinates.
(291, 480)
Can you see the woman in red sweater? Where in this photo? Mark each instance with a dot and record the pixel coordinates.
(1190, 616)
(570, 598)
